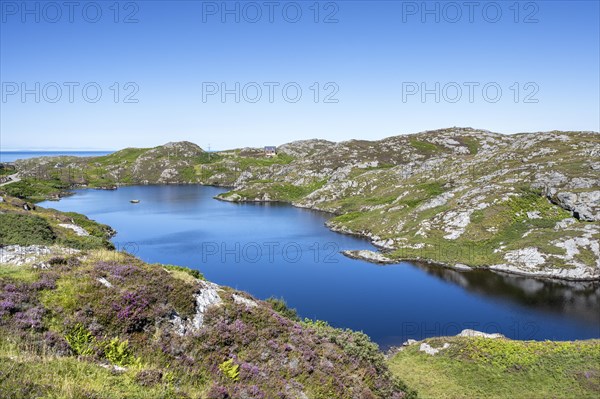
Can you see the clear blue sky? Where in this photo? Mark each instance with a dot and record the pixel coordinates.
(377, 55)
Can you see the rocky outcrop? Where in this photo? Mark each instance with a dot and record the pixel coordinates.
(18, 255)
(475, 333)
(207, 296)
(584, 205)
(80, 231)
(159, 165)
(369, 256)
(425, 347)
(303, 148)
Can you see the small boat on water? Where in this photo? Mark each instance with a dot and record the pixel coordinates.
(134, 201)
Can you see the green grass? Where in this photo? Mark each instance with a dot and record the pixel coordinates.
(424, 147)
(421, 193)
(195, 274)
(288, 191)
(278, 191)
(128, 155)
(529, 201)
(50, 376)
(189, 174)
(18, 273)
(471, 143)
(65, 296)
(388, 199)
(280, 306)
(347, 217)
(35, 190)
(501, 368)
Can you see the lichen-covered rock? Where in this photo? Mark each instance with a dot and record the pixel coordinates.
(425, 347)
(369, 256)
(80, 231)
(474, 333)
(584, 205)
(18, 255)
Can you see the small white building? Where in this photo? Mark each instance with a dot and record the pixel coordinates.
(270, 151)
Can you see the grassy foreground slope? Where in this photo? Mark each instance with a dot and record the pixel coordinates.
(78, 320)
(104, 324)
(501, 368)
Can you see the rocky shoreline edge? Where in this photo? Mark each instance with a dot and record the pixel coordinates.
(380, 258)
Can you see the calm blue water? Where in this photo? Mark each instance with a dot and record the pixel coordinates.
(282, 251)
(11, 156)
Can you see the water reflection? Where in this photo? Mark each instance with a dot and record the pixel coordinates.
(576, 299)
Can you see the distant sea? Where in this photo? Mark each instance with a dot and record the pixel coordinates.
(11, 156)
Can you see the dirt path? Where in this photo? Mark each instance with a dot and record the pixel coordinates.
(12, 179)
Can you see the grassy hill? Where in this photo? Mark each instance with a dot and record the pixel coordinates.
(501, 368)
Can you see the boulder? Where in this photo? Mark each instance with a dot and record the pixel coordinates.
(584, 205)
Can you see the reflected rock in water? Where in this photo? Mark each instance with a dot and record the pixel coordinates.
(577, 299)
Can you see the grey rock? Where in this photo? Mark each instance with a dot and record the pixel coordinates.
(80, 231)
(369, 256)
(584, 205)
(425, 347)
(474, 333)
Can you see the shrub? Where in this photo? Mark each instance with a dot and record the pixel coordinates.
(230, 369)
(281, 307)
(133, 310)
(119, 353)
(81, 341)
(192, 272)
(148, 378)
(22, 229)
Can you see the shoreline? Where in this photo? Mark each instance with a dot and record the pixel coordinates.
(500, 269)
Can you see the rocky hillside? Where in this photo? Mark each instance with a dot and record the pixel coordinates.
(461, 197)
(527, 203)
(168, 163)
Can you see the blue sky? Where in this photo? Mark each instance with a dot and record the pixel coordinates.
(169, 62)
